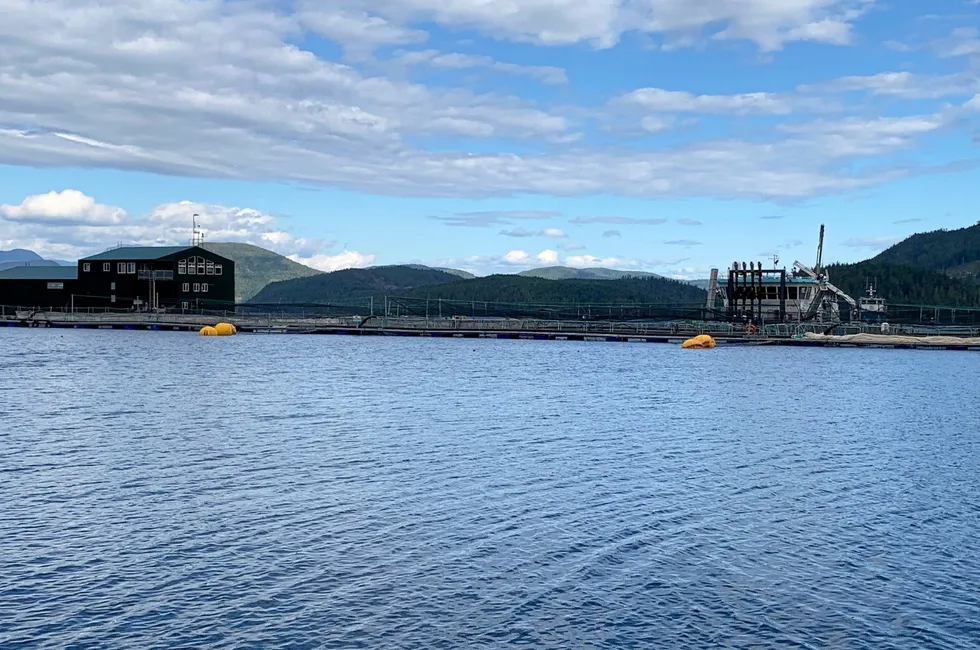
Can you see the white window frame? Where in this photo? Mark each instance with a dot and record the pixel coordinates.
(186, 288)
(191, 266)
(197, 287)
(217, 269)
(182, 267)
(121, 268)
(131, 268)
(204, 287)
(86, 267)
(107, 267)
(112, 298)
(201, 267)
(112, 286)
(183, 305)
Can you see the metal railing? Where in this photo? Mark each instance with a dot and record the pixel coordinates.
(155, 275)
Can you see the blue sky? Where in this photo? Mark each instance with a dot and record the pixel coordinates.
(491, 135)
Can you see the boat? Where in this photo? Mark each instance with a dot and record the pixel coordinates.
(872, 307)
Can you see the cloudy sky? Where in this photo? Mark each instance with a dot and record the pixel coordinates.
(663, 135)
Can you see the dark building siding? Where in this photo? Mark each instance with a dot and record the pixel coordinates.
(121, 283)
(111, 281)
(39, 294)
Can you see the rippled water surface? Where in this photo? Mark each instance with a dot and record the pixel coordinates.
(162, 490)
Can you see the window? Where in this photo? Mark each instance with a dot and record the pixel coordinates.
(112, 298)
(86, 267)
(197, 287)
(200, 266)
(112, 286)
(182, 267)
(191, 266)
(210, 266)
(204, 288)
(131, 267)
(121, 267)
(217, 269)
(183, 305)
(186, 287)
(106, 267)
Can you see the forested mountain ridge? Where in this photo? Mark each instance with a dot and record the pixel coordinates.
(954, 252)
(905, 284)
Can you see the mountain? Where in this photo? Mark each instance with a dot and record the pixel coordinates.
(351, 285)
(953, 252)
(569, 273)
(256, 267)
(700, 284)
(466, 275)
(23, 257)
(524, 289)
(905, 284)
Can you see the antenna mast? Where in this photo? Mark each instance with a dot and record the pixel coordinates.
(197, 237)
(818, 267)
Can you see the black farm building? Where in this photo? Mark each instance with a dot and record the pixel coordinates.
(43, 287)
(128, 278)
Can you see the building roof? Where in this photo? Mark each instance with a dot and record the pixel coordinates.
(54, 273)
(132, 253)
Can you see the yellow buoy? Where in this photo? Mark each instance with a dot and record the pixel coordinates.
(699, 342)
(207, 330)
(225, 329)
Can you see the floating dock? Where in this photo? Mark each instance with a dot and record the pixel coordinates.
(669, 333)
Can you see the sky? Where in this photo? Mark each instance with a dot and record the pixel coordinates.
(669, 136)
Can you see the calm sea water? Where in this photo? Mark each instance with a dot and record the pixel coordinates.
(162, 490)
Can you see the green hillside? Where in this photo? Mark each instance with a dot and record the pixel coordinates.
(518, 289)
(466, 275)
(351, 285)
(569, 273)
(954, 252)
(905, 284)
(256, 267)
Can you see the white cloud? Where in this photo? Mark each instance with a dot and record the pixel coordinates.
(963, 41)
(70, 224)
(343, 260)
(591, 261)
(220, 90)
(673, 101)
(768, 23)
(65, 207)
(555, 233)
(901, 84)
(457, 61)
(547, 256)
(357, 31)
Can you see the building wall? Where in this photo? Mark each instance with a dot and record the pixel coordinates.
(30, 294)
(190, 290)
(116, 284)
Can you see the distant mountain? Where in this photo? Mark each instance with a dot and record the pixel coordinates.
(701, 284)
(256, 267)
(466, 275)
(524, 289)
(953, 252)
(569, 273)
(23, 257)
(352, 285)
